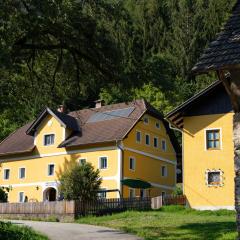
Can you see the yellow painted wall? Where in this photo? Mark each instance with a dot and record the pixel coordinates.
(149, 168)
(196, 160)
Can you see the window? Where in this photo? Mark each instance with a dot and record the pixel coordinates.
(214, 178)
(157, 124)
(6, 174)
(138, 136)
(22, 173)
(164, 145)
(82, 161)
(102, 194)
(103, 162)
(21, 197)
(145, 120)
(155, 142)
(49, 139)
(131, 193)
(213, 139)
(164, 171)
(147, 139)
(50, 169)
(131, 163)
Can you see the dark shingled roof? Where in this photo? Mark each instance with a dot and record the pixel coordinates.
(86, 132)
(224, 52)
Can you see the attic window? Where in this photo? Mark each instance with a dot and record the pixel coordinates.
(49, 139)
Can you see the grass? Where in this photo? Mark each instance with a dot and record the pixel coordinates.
(172, 222)
(9, 231)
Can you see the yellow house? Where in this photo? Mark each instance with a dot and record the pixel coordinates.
(125, 140)
(206, 122)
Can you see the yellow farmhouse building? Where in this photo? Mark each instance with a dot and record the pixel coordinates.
(125, 140)
(206, 122)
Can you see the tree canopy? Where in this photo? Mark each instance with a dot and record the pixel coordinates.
(76, 51)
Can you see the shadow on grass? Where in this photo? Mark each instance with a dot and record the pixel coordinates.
(210, 230)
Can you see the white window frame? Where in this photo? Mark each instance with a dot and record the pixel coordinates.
(221, 177)
(205, 138)
(146, 118)
(166, 171)
(19, 197)
(19, 173)
(134, 163)
(6, 179)
(48, 168)
(53, 139)
(159, 125)
(137, 131)
(146, 134)
(157, 142)
(129, 192)
(99, 162)
(164, 140)
(80, 159)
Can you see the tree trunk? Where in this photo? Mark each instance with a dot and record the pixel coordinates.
(231, 82)
(236, 140)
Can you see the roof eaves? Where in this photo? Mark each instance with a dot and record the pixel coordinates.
(192, 99)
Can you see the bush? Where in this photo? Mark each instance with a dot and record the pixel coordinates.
(3, 195)
(8, 231)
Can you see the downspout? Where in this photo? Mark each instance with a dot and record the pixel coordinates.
(120, 167)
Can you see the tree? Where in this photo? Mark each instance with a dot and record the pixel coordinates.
(3, 195)
(80, 182)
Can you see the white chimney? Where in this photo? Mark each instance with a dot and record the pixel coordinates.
(99, 103)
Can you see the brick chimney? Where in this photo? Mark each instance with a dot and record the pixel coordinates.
(61, 108)
(99, 103)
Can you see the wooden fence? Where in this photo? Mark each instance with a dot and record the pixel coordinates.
(111, 205)
(174, 200)
(68, 210)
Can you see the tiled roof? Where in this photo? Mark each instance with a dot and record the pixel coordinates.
(89, 132)
(224, 52)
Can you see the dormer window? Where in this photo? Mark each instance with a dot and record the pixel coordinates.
(49, 139)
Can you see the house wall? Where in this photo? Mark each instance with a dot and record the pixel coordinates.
(148, 162)
(197, 160)
(150, 159)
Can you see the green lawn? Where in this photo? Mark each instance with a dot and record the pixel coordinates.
(171, 222)
(10, 231)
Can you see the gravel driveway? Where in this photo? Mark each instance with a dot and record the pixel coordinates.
(74, 231)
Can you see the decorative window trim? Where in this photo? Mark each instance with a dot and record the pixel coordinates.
(134, 164)
(205, 138)
(48, 169)
(146, 134)
(20, 172)
(6, 179)
(137, 131)
(221, 184)
(99, 162)
(53, 139)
